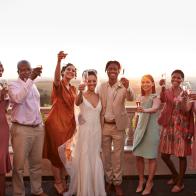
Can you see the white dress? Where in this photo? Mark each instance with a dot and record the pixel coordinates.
(85, 165)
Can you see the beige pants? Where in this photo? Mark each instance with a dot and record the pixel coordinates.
(27, 144)
(113, 163)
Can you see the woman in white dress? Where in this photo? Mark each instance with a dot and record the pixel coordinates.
(84, 164)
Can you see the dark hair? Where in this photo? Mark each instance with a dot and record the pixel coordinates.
(92, 73)
(112, 62)
(65, 67)
(23, 62)
(178, 71)
(1, 65)
(152, 80)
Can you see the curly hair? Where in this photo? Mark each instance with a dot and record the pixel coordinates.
(65, 67)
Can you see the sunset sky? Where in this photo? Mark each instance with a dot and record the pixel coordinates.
(145, 36)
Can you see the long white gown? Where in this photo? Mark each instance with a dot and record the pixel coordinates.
(85, 165)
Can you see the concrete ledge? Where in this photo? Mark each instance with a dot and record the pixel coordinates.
(129, 166)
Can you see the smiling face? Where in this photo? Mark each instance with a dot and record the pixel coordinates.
(113, 71)
(176, 79)
(69, 73)
(24, 71)
(91, 82)
(147, 85)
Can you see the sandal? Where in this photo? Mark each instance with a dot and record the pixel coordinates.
(170, 182)
(177, 188)
(59, 187)
(140, 187)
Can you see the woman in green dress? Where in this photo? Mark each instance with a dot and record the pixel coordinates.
(146, 135)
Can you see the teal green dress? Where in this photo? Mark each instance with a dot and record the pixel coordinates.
(147, 132)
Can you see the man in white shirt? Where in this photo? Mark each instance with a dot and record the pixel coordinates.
(27, 133)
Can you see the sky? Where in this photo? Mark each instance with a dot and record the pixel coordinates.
(145, 36)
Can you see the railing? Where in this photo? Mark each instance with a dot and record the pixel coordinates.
(129, 163)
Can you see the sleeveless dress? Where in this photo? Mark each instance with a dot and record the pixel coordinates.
(84, 165)
(60, 124)
(147, 132)
(5, 165)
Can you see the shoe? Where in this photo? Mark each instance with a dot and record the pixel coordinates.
(177, 188)
(148, 189)
(118, 190)
(42, 194)
(140, 187)
(59, 187)
(170, 182)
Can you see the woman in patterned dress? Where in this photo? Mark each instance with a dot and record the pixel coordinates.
(177, 129)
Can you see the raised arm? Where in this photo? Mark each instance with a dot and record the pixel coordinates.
(17, 92)
(79, 98)
(163, 89)
(57, 75)
(129, 91)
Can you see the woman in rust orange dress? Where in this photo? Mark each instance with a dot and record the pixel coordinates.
(60, 123)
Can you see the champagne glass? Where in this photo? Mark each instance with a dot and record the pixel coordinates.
(138, 102)
(39, 67)
(4, 85)
(186, 86)
(84, 78)
(163, 77)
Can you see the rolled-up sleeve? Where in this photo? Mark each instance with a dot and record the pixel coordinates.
(19, 91)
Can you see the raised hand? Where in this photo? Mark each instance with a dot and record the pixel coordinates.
(125, 82)
(35, 72)
(3, 92)
(162, 82)
(61, 55)
(140, 109)
(81, 87)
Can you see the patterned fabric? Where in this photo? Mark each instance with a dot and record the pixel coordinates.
(193, 157)
(175, 137)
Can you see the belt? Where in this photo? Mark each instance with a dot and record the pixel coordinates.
(109, 122)
(33, 126)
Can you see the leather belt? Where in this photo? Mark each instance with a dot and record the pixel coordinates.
(109, 122)
(33, 126)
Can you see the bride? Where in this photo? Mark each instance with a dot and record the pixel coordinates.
(83, 163)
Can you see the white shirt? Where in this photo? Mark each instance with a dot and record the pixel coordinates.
(109, 114)
(25, 100)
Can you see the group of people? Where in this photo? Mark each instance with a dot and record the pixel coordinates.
(91, 147)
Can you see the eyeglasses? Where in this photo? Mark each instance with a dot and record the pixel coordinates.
(85, 72)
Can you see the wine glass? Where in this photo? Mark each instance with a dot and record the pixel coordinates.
(186, 86)
(84, 78)
(4, 85)
(138, 102)
(163, 77)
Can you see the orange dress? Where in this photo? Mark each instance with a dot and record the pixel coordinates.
(60, 124)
